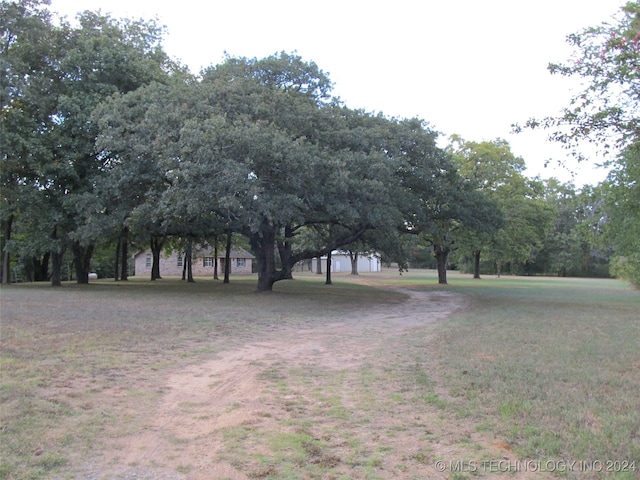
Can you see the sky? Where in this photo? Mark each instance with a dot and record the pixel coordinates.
(467, 67)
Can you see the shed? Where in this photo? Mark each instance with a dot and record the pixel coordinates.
(341, 262)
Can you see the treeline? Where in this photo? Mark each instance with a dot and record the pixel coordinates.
(571, 243)
(109, 145)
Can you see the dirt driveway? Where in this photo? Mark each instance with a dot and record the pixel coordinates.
(338, 400)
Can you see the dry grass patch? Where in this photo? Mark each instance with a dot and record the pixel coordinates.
(357, 380)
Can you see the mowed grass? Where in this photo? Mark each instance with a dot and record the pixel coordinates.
(549, 366)
(552, 365)
(65, 350)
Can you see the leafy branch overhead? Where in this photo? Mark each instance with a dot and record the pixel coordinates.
(605, 111)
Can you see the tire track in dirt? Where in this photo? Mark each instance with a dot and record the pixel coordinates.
(184, 436)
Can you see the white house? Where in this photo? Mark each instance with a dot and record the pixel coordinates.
(202, 262)
(341, 262)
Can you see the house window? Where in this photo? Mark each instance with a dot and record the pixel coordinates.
(148, 261)
(240, 262)
(208, 261)
(179, 260)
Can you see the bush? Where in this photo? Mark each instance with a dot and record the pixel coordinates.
(627, 268)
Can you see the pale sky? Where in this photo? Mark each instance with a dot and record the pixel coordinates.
(468, 67)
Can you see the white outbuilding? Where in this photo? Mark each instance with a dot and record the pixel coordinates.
(341, 262)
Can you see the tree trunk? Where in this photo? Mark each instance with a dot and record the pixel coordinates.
(4, 247)
(319, 265)
(156, 249)
(328, 280)
(264, 249)
(41, 268)
(215, 257)
(56, 269)
(184, 265)
(354, 262)
(227, 257)
(189, 261)
(284, 249)
(56, 261)
(266, 266)
(82, 261)
(124, 275)
(476, 264)
(116, 272)
(441, 253)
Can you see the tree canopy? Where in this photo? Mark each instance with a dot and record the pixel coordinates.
(53, 77)
(107, 141)
(270, 156)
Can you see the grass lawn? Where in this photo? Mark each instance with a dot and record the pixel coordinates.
(549, 366)
(553, 364)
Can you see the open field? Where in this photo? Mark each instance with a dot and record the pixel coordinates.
(378, 376)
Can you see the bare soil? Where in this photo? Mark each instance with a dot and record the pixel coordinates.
(350, 386)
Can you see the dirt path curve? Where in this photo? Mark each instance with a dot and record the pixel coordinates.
(187, 434)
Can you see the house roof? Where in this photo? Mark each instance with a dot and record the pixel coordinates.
(236, 254)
